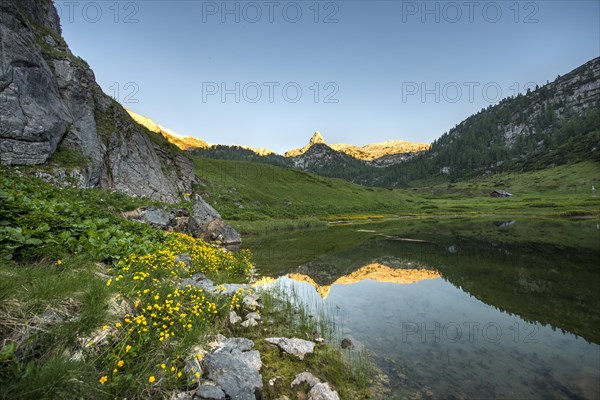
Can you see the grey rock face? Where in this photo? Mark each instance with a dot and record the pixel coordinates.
(206, 223)
(75, 82)
(235, 371)
(208, 391)
(34, 119)
(49, 97)
(294, 346)
(157, 217)
(134, 166)
(242, 344)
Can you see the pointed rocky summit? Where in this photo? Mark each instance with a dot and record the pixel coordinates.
(316, 138)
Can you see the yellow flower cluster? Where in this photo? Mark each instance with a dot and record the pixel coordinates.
(236, 299)
(164, 313)
(208, 258)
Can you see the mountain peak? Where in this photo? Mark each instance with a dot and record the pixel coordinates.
(316, 138)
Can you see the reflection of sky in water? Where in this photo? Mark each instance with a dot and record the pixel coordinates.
(433, 334)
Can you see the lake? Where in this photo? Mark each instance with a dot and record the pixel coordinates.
(456, 308)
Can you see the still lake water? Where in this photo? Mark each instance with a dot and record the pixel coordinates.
(460, 308)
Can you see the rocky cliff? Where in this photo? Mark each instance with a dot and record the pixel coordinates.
(49, 99)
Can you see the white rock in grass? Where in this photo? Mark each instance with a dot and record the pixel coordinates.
(294, 346)
(322, 391)
(234, 318)
(253, 315)
(249, 322)
(305, 377)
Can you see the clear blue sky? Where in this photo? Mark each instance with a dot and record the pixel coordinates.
(398, 69)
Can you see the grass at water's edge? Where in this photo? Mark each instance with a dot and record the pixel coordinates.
(273, 225)
(285, 314)
(90, 304)
(47, 310)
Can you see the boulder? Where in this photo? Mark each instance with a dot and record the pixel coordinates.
(294, 346)
(322, 391)
(156, 216)
(235, 369)
(209, 391)
(239, 343)
(305, 378)
(317, 390)
(183, 264)
(206, 223)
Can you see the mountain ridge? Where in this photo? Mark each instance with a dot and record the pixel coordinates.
(369, 152)
(181, 141)
(554, 124)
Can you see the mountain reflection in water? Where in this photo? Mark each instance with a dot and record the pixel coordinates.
(519, 298)
(375, 272)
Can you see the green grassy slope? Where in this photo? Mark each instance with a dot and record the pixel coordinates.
(242, 190)
(266, 191)
(560, 191)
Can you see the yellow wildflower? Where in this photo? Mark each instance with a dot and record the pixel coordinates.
(120, 363)
(103, 380)
(151, 379)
